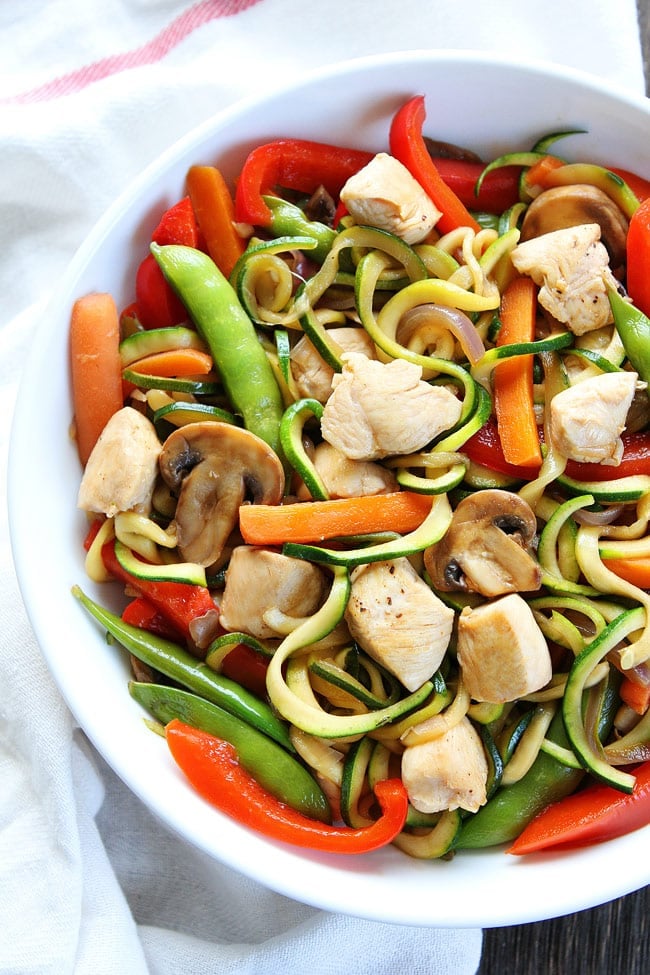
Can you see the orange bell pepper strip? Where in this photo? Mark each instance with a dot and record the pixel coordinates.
(215, 212)
(407, 144)
(589, 816)
(95, 366)
(314, 521)
(513, 378)
(211, 766)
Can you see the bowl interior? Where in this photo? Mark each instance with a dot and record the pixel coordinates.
(474, 100)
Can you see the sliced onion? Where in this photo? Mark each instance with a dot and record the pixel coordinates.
(451, 319)
(604, 517)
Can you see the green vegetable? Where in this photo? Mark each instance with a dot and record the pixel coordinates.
(221, 321)
(634, 330)
(512, 807)
(273, 767)
(180, 666)
(288, 220)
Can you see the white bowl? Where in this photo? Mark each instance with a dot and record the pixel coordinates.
(472, 99)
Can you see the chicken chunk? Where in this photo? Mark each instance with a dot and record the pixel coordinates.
(121, 471)
(259, 581)
(313, 376)
(587, 419)
(345, 478)
(502, 651)
(384, 194)
(398, 620)
(377, 409)
(449, 772)
(571, 266)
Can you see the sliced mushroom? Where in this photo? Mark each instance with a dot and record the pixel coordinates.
(487, 547)
(214, 467)
(570, 206)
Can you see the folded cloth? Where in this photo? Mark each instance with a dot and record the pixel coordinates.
(90, 882)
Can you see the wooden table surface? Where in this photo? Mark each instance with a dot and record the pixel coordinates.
(613, 939)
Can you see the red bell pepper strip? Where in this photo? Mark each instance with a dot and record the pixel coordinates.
(178, 225)
(592, 815)
(407, 144)
(142, 613)
(246, 666)
(158, 306)
(189, 609)
(638, 257)
(484, 448)
(211, 766)
(499, 189)
(294, 164)
(639, 186)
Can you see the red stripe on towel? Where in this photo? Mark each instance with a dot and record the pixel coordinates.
(154, 50)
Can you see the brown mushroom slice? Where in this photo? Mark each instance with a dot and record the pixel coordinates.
(486, 548)
(214, 467)
(571, 206)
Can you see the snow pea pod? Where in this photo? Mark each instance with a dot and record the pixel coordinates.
(230, 335)
(512, 807)
(180, 666)
(273, 767)
(634, 329)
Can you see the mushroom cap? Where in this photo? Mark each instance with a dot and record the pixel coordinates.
(214, 467)
(571, 206)
(486, 547)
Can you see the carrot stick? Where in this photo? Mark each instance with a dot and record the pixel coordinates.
(314, 521)
(636, 696)
(513, 378)
(536, 174)
(215, 213)
(96, 368)
(635, 571)
(174, 362)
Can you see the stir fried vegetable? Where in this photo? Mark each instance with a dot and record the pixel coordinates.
(376, 485)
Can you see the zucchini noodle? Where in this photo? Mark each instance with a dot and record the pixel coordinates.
(534, 541)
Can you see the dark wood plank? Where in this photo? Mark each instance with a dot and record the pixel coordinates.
(607, 940)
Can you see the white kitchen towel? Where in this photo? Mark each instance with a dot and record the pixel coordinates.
(90, 882)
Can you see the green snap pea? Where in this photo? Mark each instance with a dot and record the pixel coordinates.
(512, 807)
(633, 328)
(274, 768)
(288, 220)
(180, 666)
(229, 333)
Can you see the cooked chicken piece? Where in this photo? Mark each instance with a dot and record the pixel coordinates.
(449, 772)
(377, 409)
(121, 471)
(345, 478)
(502, 651)
(587, 419)
(571, 266)
(258, 580)
(384, 194)
(398, 620)
(312, 374)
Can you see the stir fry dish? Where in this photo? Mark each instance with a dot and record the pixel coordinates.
(368, 456)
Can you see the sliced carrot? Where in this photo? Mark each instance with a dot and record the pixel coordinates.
(536, 174)
(635, 571)
(215, 213)
(513, 378)
(174, 362)
(636, 696)
(96, 368)
(314, 521)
